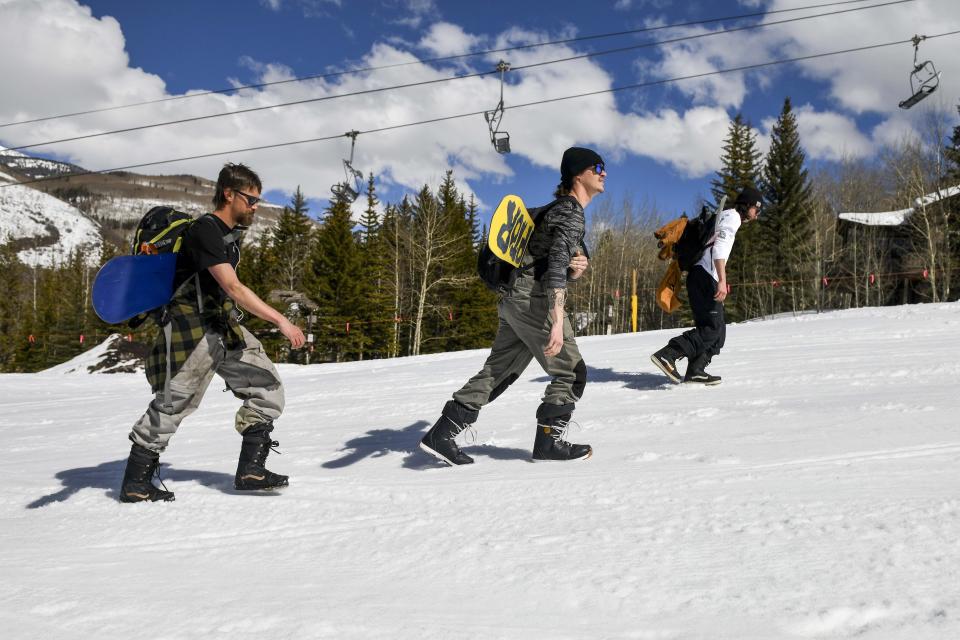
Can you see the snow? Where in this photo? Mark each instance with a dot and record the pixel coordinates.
(896, 218)
(814, 494)
(930, 198)
(29, 213)
(879, 219)
(105, 358)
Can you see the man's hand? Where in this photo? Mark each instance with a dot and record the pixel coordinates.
(292, 333)
(578, 264)
(555, 342)
(721, 291)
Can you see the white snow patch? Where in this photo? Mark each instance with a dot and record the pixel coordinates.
(29, 213)
(791, 501)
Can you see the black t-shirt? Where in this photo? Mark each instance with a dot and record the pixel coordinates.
(203, 247)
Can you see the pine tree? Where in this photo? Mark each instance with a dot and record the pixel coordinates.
(471, 317)
(290, 242)
(740, 167)
(369, 221)
(787, 219)
(740, 162)
(375, 310)
(335, 267)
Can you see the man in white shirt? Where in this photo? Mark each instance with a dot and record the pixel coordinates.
(707, 289)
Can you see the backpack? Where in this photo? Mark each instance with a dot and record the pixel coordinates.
(511, 226)
(160, 231)
(697, 237)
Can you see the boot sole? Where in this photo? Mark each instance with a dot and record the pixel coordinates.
(439, 456)
(672, 375)
(589, 454)
(271, 488)
(705, 384)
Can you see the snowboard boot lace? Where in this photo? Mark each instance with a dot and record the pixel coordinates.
(470, 435)
(560, 430)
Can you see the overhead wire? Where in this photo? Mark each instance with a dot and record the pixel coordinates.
(593, 54)
(639, 85)
(334, 74)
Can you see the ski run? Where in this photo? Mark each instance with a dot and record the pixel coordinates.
(814, 494)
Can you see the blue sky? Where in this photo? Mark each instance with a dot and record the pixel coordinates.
(661, 143)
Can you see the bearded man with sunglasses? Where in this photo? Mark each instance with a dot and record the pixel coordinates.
(201, 335)
(534, 325)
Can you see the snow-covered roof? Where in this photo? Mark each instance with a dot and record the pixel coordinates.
(896, 218)
(878, 219)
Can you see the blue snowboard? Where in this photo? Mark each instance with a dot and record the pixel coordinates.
(129, 285)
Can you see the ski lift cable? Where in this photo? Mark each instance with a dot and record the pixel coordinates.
(478, 74)
(429, 61)
(640, 85)
(460, 56)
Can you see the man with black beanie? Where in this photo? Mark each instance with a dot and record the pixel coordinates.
(534, 325)
(707, 289)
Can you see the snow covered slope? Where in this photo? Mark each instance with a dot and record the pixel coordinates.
(814, 494)
(53, 227)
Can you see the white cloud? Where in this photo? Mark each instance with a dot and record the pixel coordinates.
(830, 136)
(68, 60)
(691, 142)
(446, 39)
(273, 5)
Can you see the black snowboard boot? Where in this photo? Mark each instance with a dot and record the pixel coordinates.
(142, 466)
(696, 372)
(666, 361)
(440, 441)
(251, 473)
(551, 444)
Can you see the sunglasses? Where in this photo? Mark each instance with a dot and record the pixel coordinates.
(251, 200)
(599, 168)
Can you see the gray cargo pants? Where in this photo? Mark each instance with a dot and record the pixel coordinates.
(247, 372)
(523, 333)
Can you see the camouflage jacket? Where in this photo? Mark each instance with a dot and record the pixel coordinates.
(555, 240)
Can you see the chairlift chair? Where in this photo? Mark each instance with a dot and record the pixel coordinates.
(499, 139)
(924, 79)
(344, 190)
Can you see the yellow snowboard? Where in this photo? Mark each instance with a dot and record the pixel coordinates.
(510, 230)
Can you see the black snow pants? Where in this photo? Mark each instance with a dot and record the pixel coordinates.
(710, 330)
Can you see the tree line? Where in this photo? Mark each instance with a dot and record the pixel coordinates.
(402, 281)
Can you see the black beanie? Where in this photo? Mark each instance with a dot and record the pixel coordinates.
(749, 197)
(575, 161)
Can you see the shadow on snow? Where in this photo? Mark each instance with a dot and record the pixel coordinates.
(380, 442)
(107, 476)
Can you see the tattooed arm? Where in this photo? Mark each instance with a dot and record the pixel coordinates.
(557, 299)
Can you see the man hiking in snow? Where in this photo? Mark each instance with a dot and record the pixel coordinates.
(534, 324)
(206, 338)
(706, 290)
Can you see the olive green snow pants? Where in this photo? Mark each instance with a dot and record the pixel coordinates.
(247, 372)
(521, 336)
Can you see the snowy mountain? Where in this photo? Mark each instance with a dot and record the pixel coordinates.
(33, 168)
(814, 494)
(44, 228)
(50, 218)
